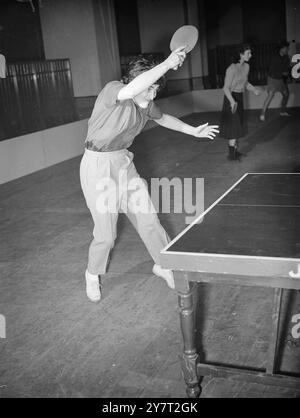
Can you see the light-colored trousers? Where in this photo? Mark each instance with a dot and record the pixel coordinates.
(110, 185)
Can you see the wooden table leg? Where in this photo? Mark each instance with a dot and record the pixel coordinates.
(190, 356)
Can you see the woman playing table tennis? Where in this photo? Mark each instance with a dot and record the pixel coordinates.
(107, 170)
(236, 81)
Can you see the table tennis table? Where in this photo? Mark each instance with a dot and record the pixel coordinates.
(249, 237)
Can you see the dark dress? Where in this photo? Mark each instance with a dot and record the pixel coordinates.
(232, 124)
(236, 80)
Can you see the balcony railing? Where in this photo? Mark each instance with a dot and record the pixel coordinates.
(36, 96)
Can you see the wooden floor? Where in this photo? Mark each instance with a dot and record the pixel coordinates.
(58, 344)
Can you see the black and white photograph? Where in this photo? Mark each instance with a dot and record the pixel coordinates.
(149, 202)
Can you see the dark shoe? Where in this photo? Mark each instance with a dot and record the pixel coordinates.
(238, 155)
(231, 153)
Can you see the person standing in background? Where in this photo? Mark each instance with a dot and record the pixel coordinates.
(236, 81)
(277, 80)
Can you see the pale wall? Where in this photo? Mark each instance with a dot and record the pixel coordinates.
(29, 153)
(68, 30)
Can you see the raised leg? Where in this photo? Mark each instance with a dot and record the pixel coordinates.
(187, 322)
(285, 99)
(268, 100)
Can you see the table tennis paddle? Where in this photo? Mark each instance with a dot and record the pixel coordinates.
(234, 108)
(186, 36)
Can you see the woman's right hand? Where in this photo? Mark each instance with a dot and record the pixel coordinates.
(234, 106)
(176, 58)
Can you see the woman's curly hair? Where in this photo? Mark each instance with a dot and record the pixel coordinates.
(138, 66)
(238, 50)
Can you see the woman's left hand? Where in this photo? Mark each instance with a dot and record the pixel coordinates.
(256, 92)
(206, 131)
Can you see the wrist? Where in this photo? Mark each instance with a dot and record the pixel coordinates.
(165, 66)
(188, 130)
(192, 131)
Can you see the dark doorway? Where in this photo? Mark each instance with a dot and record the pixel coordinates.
(264, 20)
(20, 31)
(128, 27)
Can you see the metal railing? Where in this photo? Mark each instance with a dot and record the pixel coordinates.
(36, 95)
